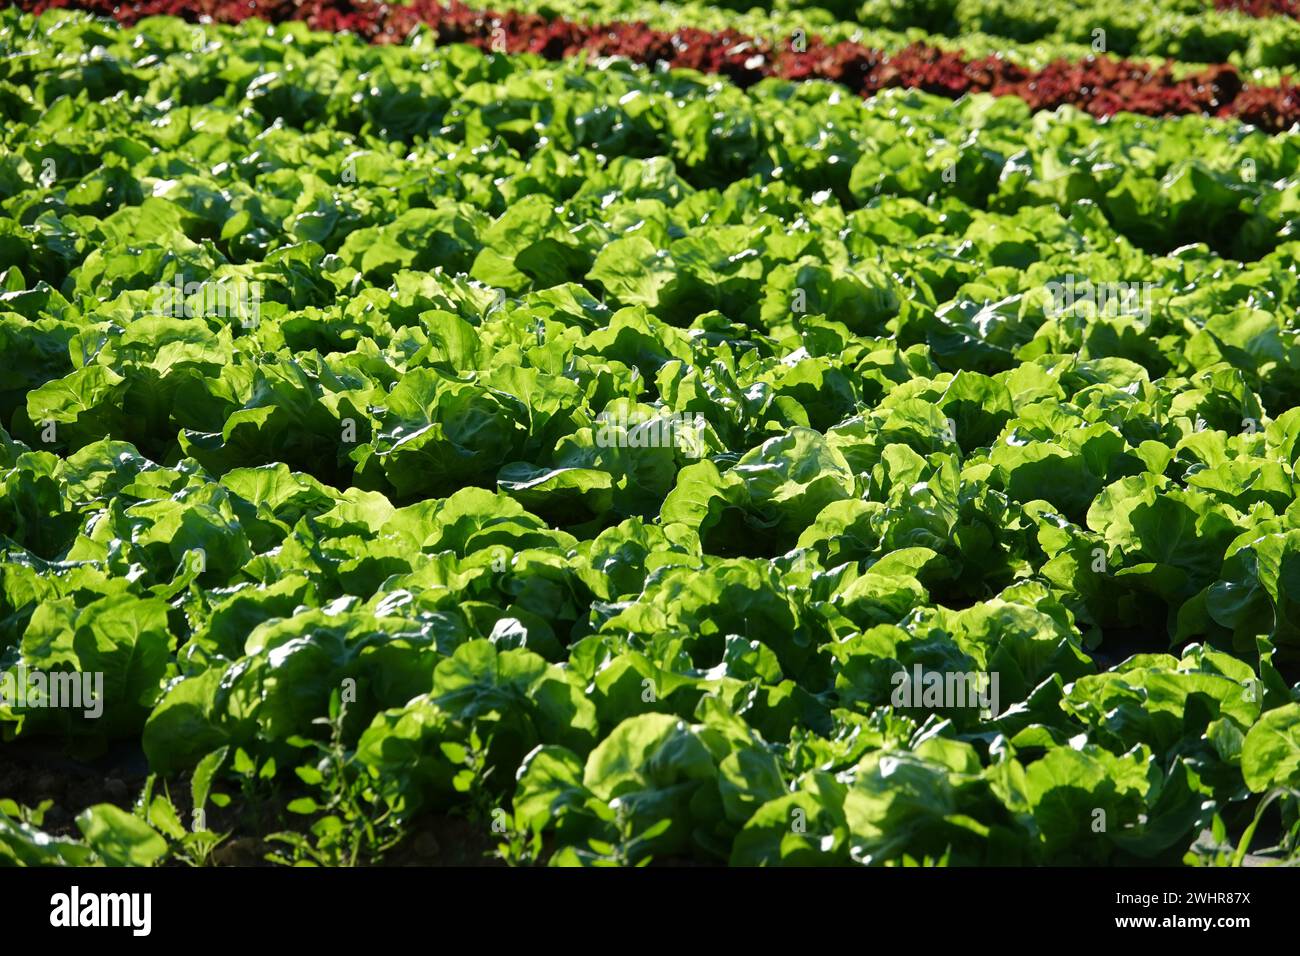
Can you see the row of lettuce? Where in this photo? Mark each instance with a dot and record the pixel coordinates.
(1179, 29)
(1101, 86)
(1263, 53)
(392, 468)
(1190, 31)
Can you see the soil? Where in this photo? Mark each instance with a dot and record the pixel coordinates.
(30, 775)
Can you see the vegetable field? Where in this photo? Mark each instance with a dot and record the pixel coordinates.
(597, 432)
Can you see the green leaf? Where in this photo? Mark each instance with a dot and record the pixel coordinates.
(120, 838)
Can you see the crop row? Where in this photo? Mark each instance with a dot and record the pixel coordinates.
(333, 365)
(1102, 87)
(781, 24)
(1190, 30)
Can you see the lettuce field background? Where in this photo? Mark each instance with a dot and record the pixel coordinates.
(442, 436)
